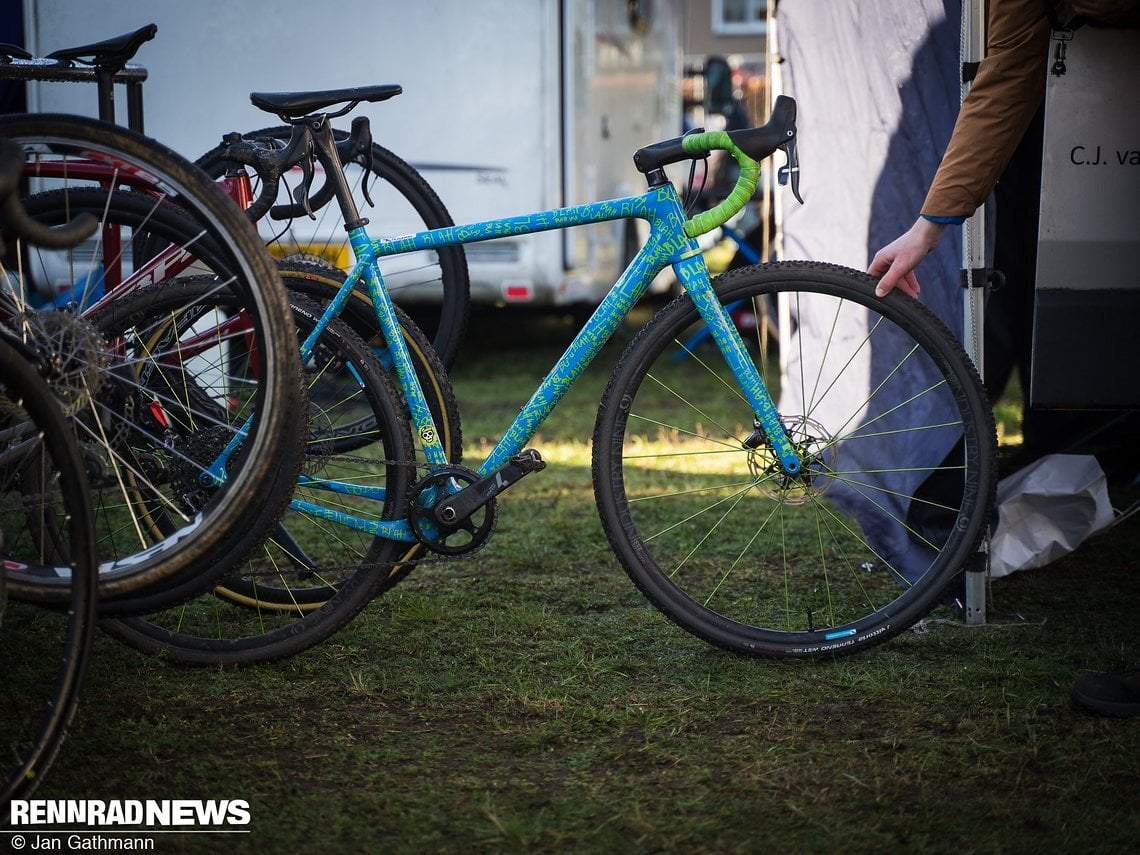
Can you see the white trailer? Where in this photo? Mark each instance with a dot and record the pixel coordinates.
(509, 106)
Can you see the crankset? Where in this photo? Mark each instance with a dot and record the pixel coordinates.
(453, 510)
(459, 536)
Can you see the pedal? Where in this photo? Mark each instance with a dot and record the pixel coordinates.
(529, 460)
(472, 497)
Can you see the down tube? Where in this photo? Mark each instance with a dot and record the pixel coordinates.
(582, 350)
(694, 276)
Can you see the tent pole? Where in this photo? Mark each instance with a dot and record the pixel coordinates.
(974, 278)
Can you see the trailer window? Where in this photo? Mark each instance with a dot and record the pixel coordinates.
(739, 17)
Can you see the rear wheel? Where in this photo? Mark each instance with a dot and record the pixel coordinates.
(161, 510)
(177, 400)
(316, 571)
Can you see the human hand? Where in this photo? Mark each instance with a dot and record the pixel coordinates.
(896, 261)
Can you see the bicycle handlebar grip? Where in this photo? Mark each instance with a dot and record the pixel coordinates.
(269, 164)
(69, 234)
(268, 170)
(296, 209)
(746, 183)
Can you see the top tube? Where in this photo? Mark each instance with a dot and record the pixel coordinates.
(659, 206)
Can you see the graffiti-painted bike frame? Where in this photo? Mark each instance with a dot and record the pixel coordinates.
(668, 244)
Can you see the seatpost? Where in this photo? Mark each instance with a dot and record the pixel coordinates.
(325, 147)
(105, 83)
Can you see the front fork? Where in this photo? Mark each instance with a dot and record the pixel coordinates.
(693, 275)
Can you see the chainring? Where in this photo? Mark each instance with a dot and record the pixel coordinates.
(462, 536)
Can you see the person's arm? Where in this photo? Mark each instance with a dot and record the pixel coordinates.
(1003, 97)
(1001, 102)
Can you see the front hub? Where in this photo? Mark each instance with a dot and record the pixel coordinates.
(818, 454)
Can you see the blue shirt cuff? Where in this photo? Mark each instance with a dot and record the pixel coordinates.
(946, 221)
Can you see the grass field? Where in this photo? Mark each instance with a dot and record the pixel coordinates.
(528, 699)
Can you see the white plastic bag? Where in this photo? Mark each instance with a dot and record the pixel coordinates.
(1046, 510)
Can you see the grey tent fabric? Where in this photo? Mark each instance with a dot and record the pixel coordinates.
(877, 84)
(877, 87)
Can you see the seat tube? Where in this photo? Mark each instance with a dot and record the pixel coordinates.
(422, 423)
(694, 276)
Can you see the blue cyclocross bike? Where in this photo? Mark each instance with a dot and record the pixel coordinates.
(815, 509)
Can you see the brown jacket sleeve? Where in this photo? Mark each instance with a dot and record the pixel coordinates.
(1001, 102)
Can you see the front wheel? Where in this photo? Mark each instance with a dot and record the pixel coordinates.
(897, 442)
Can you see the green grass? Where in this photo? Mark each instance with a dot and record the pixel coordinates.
(528, 699)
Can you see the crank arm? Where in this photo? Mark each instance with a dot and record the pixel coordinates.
(463, 504)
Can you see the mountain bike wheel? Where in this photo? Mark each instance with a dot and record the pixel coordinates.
(312, 575)
(157, 517)
(896, 489)
(431, 286)
(45, 652)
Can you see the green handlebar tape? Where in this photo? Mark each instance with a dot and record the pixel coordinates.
(700, 144)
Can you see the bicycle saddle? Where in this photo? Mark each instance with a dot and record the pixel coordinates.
(299, 103)
(110, 53)
(9, 52)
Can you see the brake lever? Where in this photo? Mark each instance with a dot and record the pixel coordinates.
(301, 194)
(790, 171)
(368, 171)
(363, 130)
(359, 144)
